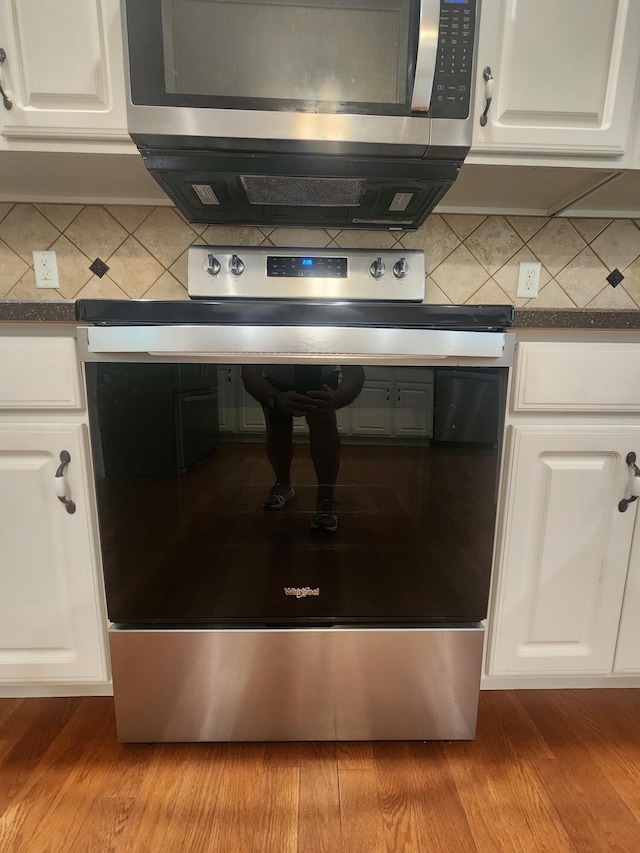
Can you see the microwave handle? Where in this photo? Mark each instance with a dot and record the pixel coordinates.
(427, 55)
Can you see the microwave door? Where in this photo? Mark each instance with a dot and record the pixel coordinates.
(351, 57)
(426, 56)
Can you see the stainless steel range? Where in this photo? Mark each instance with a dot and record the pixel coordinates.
(293, 547)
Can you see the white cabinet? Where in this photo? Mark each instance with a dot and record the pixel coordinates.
(564, 77)
(566, 549)
(44, 373)
(52, 614)
(64, 71)
(566, 588)
(50, 625)
(627, 660)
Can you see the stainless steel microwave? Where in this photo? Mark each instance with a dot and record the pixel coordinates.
(345, 112)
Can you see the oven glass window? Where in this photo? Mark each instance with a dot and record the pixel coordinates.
(301, 50)
(296, 494)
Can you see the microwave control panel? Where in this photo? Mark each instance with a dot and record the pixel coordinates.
(451, 95)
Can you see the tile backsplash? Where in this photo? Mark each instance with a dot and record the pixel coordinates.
(469, 258)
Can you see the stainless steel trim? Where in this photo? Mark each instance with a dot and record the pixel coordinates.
(263, 124)
(296, 684)
(290, 343)
(427, 55)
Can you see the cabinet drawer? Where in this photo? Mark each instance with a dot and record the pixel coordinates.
(39, 373)
(577, 377)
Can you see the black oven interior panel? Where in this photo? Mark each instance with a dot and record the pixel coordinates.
(190, 543)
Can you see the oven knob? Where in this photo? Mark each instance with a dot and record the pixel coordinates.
(401, 268)
(236, 265)
(212, 265)
(377, 268)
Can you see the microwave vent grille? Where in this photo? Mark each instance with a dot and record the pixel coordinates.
(303, 192)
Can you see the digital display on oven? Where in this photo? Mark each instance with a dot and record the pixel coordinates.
(284, 266)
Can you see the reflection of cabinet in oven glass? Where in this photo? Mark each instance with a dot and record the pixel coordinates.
(238, 412)
(466, 405)
(394, 402)
(155, 419)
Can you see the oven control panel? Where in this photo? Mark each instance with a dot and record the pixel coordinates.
(249, 272)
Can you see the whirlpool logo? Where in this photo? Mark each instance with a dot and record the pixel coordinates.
(301, 592)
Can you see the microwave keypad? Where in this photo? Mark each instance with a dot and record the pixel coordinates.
(452, 81)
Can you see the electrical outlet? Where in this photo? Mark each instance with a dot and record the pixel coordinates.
(528, 279)
(46, 269)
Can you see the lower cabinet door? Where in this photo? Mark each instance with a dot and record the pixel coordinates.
(52, 618)
(627, 660)
(563, 550)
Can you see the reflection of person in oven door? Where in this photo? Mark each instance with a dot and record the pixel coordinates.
(314, 392)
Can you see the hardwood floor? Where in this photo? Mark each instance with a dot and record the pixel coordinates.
(549, 771)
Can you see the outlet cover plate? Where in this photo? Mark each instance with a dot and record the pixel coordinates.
(528, 279)
(46, 269)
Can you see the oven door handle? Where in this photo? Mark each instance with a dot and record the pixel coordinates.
(271, 344)
(426, 56)
(281, 358)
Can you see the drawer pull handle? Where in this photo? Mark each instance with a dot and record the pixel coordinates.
(634, 483)
(61, 482)
(6, 100)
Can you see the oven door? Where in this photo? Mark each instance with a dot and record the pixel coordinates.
(355, 70)
(414, 516)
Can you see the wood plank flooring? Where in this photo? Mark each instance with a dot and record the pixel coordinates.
(549, 771)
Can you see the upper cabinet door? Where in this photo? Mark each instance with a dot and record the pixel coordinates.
(564, 76)
(64, 70)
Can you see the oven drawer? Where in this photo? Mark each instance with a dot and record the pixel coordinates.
(39, 373)
(577, 377)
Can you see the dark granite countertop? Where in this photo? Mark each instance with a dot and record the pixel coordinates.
(528, 318)
(576, 318)
(28, 311)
